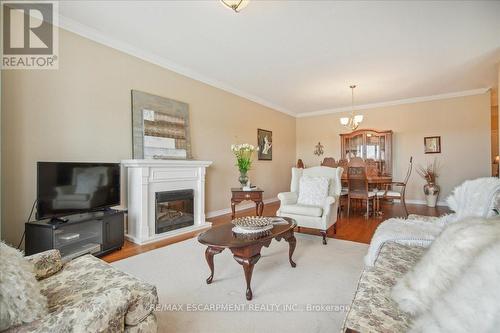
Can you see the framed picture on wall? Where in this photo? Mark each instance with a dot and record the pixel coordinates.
(432, 144)
(265, 143)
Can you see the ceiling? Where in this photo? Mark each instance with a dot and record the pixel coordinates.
(301, 56)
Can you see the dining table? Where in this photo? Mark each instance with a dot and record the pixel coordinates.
(373, 181)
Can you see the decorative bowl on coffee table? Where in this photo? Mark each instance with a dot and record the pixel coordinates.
(253, 222)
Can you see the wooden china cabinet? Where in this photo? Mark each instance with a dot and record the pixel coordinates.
(369, 144)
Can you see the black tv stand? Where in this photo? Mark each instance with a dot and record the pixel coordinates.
(97, 232)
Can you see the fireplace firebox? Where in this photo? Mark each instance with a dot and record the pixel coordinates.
(174, 210)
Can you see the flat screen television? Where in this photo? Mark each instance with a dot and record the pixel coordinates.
(65, 188)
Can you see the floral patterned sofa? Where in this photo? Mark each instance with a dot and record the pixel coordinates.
(373, 309)
(89, 295)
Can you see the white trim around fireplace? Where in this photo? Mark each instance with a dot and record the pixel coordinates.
(143, 178)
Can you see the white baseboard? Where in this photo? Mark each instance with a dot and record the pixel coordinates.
(238, 208)
(423, 202)
(169, 234)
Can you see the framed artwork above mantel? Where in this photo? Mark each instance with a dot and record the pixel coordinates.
(160, 127)
(432, 144)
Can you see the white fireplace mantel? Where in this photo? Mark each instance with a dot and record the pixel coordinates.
(143, 178)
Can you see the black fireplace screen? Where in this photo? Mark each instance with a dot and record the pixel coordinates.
(174, 210)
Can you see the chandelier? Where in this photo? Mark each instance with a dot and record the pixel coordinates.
(236, 5)
(352, 122)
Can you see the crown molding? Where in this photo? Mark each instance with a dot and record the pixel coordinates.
(99, 37)
(412, 100)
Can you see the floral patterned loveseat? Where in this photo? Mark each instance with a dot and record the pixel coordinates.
(373, 309)
(88, 295)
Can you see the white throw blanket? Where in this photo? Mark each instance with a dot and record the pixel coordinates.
(470, 304)
(408, 232)
(473, 198)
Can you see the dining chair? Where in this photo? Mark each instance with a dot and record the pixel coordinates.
(372, 169)
(356, 161)
(342, 163)
(329, 162)
(358, 188)
(391, 194)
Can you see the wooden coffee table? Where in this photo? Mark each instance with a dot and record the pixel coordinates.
(246, 250)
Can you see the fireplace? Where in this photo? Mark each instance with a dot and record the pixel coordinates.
(174, 210)
(144, 183)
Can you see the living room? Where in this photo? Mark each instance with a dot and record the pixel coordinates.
(266, 82)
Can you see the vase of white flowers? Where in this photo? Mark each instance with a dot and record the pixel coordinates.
(243, 178)
(243, 153)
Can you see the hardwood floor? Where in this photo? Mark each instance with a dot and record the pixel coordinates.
(355, 228)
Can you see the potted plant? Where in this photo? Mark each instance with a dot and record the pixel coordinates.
(243, 153)
(431, 189)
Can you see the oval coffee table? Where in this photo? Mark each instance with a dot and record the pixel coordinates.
(245, 249)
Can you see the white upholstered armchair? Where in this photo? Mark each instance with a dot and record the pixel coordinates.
(321, 215)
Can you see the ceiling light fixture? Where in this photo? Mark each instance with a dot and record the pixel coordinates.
(352, 122)
(236, 5)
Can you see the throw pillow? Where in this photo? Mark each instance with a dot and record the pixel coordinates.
(20, 297)
(447, 258)
(471, 303)
(313, 190)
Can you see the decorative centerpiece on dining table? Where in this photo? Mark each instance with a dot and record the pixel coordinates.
(431, 189)
(243, 153)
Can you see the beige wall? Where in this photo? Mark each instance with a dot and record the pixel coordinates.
(463, 124)
(82, 112)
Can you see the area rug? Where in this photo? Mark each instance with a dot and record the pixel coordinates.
(313, 297)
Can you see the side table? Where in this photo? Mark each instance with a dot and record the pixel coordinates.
(255, 195)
